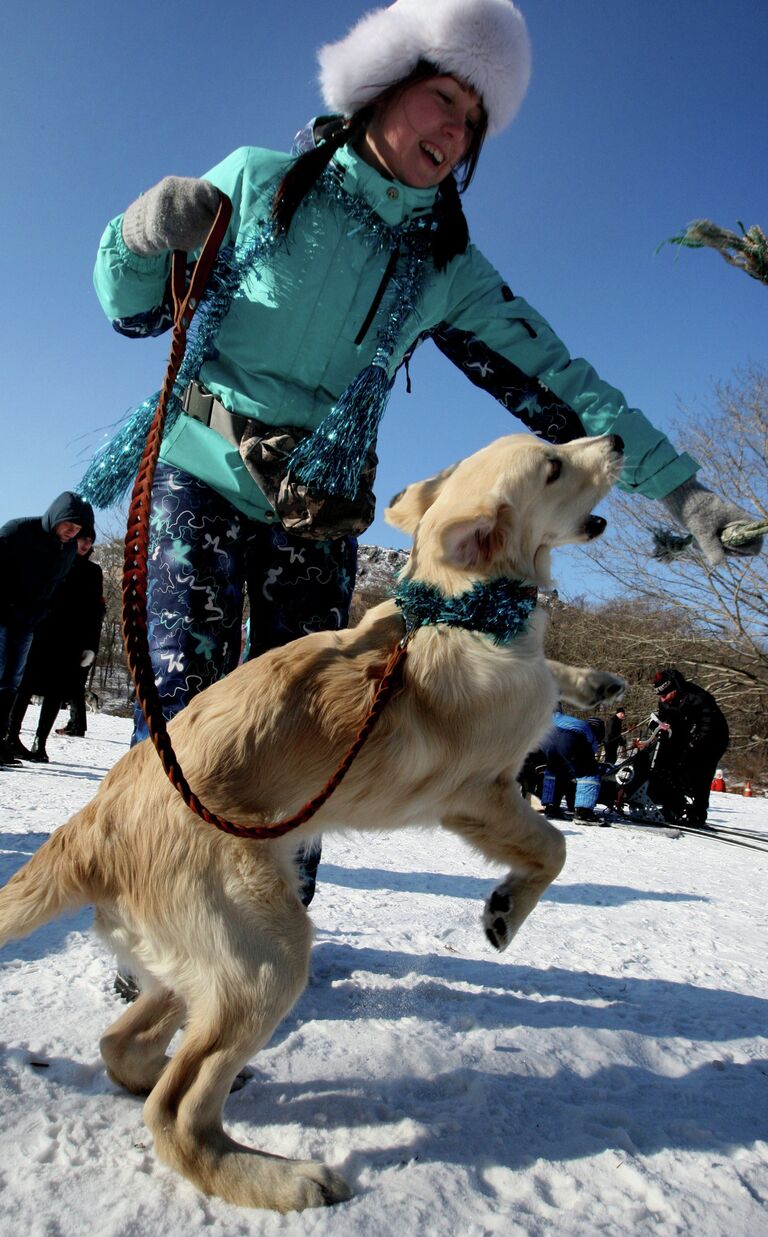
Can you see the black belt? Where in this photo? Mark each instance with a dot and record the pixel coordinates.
(206, 408)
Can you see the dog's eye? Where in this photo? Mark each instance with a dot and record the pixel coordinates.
(555, 467)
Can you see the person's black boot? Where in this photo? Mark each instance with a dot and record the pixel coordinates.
(584, 816)
(126, 987)
(7, 754)
(553, 811)
(18, 748)
(38, 753)
(307, 859)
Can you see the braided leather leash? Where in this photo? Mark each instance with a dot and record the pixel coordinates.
(135, 634)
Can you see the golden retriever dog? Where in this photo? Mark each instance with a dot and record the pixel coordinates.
(212, 923)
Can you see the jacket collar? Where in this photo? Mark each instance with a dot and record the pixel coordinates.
(393, 201)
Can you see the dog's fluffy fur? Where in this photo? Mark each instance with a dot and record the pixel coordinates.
(212, 923)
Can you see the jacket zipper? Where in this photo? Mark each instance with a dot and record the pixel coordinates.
(385, 279)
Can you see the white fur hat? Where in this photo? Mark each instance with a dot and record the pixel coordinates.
(483, 42)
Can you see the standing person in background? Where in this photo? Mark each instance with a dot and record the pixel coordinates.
(698, 736)
(336, 264)
(92, 610)
(36, 552)
(614, 737)
(64, 647)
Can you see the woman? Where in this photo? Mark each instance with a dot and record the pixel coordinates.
(336, 264)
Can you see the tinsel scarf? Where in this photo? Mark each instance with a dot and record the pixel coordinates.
(500, 609)
(332, 457)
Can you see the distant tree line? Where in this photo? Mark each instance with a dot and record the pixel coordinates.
(635, 637)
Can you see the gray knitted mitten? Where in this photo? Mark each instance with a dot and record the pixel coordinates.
(705, 515)
(177, 213)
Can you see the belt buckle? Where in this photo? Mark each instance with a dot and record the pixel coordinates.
(197, 403)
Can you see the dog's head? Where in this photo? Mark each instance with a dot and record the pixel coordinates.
(502, 510)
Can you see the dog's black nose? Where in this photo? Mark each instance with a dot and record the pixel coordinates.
(617, 442)
(595, 526)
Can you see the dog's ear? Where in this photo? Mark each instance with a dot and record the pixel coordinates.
(406, 508)
(492, 535)
(474, 540)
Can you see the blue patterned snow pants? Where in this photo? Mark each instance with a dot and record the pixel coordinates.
(203, 555)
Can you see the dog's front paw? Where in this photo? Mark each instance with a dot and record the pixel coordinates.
(512, 901)
(497, 917)
(602, 687)
(585, 687)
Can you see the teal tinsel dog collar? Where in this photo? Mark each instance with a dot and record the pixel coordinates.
(500, 609)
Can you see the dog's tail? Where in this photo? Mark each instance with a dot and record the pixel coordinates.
(57, 879)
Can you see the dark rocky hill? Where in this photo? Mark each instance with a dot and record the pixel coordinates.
(377, 569)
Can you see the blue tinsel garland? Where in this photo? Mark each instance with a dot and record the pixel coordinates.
(500, 609)
(332, 457)
(114, 466)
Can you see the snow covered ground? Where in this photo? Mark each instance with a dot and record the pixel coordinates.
(608, 1074)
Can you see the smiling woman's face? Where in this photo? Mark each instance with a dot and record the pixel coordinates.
(421, 134)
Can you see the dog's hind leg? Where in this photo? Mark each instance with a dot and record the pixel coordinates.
(506, 829)
(234, 1014)
(134, 1047)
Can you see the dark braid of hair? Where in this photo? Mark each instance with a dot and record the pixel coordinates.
(305, 171)
(452, 234)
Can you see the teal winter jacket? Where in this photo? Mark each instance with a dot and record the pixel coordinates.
(293, 338)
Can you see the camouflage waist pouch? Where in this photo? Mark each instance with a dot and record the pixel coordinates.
(265, 450)
(302, 509)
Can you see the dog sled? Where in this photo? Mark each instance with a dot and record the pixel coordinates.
(644, 786)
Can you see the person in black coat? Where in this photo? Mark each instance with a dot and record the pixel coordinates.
(36, 553)
(696, 739)
(64, 647)
(91, 634)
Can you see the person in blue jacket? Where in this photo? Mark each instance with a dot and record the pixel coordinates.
(569, 751)
(337, 262)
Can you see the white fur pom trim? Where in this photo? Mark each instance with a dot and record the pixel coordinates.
(483, 42)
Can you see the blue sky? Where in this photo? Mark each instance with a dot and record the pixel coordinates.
(640, 117)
